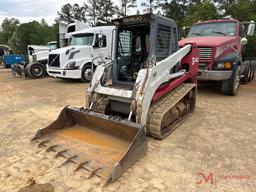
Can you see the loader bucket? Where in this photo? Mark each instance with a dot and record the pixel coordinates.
(94, 141)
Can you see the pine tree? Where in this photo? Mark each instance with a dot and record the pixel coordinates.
(69, 13)
(126, 5)
(108, 10)
(93, 10)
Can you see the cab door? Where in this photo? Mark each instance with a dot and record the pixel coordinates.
(100, 52)
(241, 47)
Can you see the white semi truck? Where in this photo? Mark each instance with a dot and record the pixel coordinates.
(65, 31)
(38, 54)
(75, 61)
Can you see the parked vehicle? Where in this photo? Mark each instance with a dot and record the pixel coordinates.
(65, 31)
(148, 89)
(221, 45)
(8, 58)
(75, 60)
(38, 55)
(38, 59)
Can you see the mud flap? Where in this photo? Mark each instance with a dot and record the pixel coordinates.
(104, 146)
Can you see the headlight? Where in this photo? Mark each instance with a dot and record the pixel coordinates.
(224, 65)
(70, 65)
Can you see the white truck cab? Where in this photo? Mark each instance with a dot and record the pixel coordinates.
(39, 53)
(65, 31)
(75, 60)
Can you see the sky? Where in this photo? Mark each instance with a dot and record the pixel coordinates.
(29, 10)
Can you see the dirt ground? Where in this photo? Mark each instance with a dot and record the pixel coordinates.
(214, 150)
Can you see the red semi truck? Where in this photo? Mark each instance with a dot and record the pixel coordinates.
(221, 45)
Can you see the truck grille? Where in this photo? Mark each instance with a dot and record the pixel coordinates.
(54, 60)
(205, 53)
(203, 66)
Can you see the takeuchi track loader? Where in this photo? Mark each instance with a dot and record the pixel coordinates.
(149, 88)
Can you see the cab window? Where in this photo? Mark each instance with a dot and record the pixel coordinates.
(100, 41)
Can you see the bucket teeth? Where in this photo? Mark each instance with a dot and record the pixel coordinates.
(94, 171)
(81, 165)
(60, 153)
(42, 143)
(68, 160)
(50, 148)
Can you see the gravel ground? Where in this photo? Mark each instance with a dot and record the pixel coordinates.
(214, 150)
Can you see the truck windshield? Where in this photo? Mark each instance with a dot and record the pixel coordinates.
(82, 39)
(213, 29)
(52, 46)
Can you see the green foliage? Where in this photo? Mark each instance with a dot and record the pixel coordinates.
(175, 10)
(243, 10)
(93, 10)
(250, 49)
(30, 33)
(69, 13)
(201, 11)
(125, 6)
(149, 6)
(107, 11)
(8, 27)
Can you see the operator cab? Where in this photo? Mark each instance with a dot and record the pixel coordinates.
(140, 37)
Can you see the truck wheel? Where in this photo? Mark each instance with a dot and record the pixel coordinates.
(246, 72)
(250, 72)
(87, 73)
(36, 70)
(16, 69)
(231, 86)
(253, 69)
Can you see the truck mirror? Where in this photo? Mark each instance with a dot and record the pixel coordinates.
(244, 41)
(251, 29)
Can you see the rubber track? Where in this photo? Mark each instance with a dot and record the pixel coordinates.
(164, 105)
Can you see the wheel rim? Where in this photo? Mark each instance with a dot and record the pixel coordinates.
(37, 71)
(88, 74)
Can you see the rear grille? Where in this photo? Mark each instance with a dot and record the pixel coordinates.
(205, 53)
(54, 60)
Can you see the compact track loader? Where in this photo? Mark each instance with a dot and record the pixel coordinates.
(148, 89)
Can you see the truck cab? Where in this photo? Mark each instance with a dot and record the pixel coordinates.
(40, 54)
(221, 44)
(75, 61)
